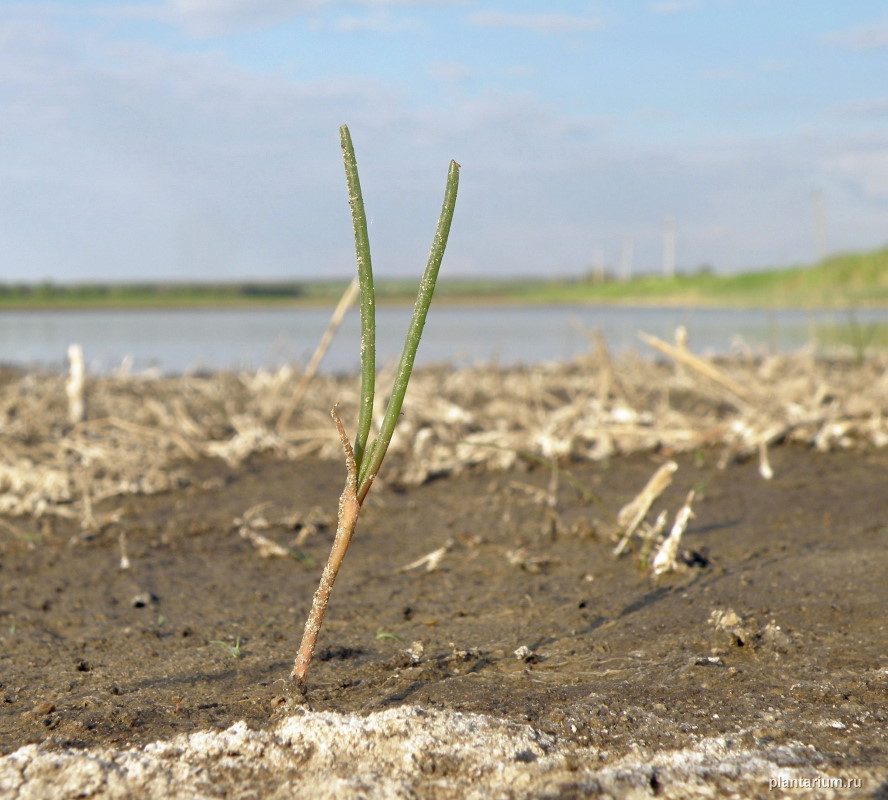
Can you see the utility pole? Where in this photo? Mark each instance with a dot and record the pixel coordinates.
(819, 224)
(626, 258)
(598, 264)
(669, 247)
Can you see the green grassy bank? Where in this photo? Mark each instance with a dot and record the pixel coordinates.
(851, 280)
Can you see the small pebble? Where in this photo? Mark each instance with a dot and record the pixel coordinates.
(143, 599)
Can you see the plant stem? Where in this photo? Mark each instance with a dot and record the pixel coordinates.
(349, 508)
(370, 466)
(368, 294)
(362, 458)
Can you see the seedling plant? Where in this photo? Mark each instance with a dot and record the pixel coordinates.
(234, 650)
(364, 458)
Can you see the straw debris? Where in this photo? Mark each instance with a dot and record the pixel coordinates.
(666, 559)
(633, 513)
(144, 431)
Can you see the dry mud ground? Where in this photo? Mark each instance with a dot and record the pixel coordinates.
(759, 670)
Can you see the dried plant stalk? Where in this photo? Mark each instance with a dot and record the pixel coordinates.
(666, 559)
(631, 515)
(765, 469)
(651, 533)
(342, 307)
(75, 387)
(686, 357)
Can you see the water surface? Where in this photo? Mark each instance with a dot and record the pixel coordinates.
(178, 341)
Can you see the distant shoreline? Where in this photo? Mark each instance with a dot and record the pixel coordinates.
(848, 281)
(667, 301)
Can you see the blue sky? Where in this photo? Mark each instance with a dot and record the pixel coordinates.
(198, 139)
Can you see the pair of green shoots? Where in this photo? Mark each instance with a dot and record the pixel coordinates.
(364, 458)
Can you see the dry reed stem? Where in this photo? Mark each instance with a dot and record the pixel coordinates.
(765, 469)
(88, 521)
(349, 510)
(345, 303)
(631, 515)
(125, 562)
(430, 560)
(265, 547)
(75, 387)
(684, 356)
(666, 559)
(151, 433)
(651, 533)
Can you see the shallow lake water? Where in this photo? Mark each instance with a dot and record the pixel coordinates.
(178, 341)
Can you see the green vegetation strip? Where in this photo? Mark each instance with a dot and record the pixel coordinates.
(851, 280)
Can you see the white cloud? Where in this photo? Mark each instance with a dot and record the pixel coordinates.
(411, 2)
(449, 71)
(722, 74)
(538, 23)
(380, 21)
(869, 107)
(125, 160)
(517, 70)
(864, 37)
(774, 65)
(219, 17)
(669, 7)
(214, 17)
(864, 170)
(130, 160)
(736, 73)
